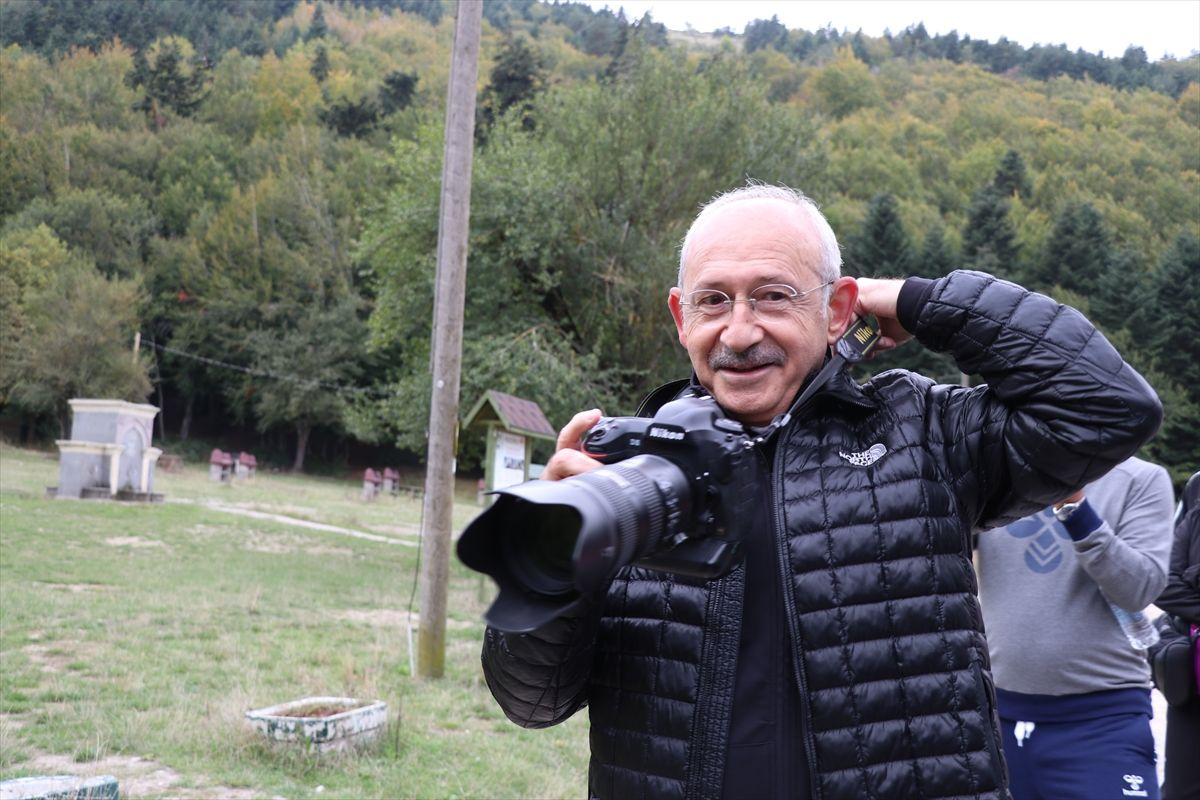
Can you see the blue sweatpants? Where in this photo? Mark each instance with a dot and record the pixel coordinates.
(1108, 757)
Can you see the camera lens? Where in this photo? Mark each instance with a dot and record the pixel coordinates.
(546, 543)
(539, 546)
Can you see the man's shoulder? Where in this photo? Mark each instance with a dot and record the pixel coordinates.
(1136, 470)
(894, 383)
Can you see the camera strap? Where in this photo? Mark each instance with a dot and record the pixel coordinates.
(854, 345)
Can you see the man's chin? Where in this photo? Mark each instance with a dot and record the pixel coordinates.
(747, 404)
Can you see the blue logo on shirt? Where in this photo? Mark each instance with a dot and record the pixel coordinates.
(1045, 552)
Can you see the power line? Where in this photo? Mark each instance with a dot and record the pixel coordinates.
(261, 373)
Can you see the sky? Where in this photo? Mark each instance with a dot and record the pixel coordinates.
(1160, 27)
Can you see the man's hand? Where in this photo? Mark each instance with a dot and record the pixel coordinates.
(568, 459)
(879, 297)
(1075, 498)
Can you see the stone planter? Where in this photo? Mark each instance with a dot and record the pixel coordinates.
(321, 724)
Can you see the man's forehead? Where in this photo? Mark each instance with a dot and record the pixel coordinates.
(756, 238)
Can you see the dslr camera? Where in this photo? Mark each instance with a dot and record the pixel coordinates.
(669, 497)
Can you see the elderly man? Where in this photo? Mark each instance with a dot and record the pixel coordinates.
(844, 656)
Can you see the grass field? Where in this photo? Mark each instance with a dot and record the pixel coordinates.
(134, 637)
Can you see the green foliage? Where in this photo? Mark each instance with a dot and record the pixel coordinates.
(1012, 179)
(882, 248)
(936, 258)
(320, 64)
(317, 29)
(242, 206)
(397, 92)
(53, 27)
(845, 86)
(303, 371)
(73, 333)
(989, 241)
(1173, 308)
(516, 77)
(350, 117)
(112, 230)
(172, 78)
(1079, 250)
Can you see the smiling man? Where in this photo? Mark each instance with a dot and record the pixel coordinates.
(844, 656)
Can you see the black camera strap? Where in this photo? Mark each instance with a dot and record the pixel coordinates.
(856, 343)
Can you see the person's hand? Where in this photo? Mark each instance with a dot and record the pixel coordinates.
(569, 459)
(878, 297)
(1075, 498)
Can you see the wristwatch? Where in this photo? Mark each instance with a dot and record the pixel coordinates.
(1064, 512)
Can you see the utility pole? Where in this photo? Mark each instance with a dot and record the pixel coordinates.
(453, 228)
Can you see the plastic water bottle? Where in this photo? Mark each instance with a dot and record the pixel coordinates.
(1138, 628)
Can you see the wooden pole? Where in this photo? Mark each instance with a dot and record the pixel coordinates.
(453, 227)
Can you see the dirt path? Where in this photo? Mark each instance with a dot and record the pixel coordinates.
(304, 523)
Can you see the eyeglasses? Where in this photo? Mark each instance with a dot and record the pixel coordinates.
(766, 302)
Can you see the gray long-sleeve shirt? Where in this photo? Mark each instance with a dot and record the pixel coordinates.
(1049, 626)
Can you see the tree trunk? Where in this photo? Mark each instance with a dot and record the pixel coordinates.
(186, 425)
(303, 429)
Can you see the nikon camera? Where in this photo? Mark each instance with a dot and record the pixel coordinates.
(669, 497)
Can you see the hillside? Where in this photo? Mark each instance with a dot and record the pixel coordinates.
(255, 192)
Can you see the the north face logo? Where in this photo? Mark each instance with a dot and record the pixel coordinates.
(867, 457)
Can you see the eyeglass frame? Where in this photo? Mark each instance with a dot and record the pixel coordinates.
(729, 302)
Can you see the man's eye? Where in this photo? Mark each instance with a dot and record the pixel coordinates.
(711, 300)
(773, 296)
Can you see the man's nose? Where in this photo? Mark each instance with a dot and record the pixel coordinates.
(742, 328)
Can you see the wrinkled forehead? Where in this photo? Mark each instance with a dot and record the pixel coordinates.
(758, 240)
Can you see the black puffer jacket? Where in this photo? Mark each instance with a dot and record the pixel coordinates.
(884, 624)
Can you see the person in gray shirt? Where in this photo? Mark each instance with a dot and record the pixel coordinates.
(1073, 691)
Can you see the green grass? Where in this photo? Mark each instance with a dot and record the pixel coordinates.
(148, 630)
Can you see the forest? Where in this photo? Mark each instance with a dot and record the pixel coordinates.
(251, 194)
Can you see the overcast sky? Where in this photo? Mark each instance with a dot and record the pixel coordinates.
(1160, 27)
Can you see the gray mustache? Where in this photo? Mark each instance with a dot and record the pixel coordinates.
(758, 355)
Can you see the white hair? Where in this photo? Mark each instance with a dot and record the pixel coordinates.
(829, 267)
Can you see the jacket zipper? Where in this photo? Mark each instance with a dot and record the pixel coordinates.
(789, 605)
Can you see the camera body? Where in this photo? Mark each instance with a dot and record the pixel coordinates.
(715, 453)
(672, 495)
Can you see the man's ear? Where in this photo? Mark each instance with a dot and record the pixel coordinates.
(842, 298)
(677, 313)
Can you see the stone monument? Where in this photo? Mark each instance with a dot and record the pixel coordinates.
(109, 453)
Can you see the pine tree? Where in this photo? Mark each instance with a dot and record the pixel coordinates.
(317, 29)
(517, 76)
(1174, 309)
(989, 239)
(882, 247)
(397, 91)
(1118, 287)
(935, 259)
(1078, 252)
(1011, 177)
(320, 64)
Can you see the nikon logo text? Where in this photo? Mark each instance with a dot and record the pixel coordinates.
(663, 433)
(863, 335)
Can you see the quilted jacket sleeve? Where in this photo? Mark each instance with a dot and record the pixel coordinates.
(1182, 595)
(1060, 406)
(540, 678)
